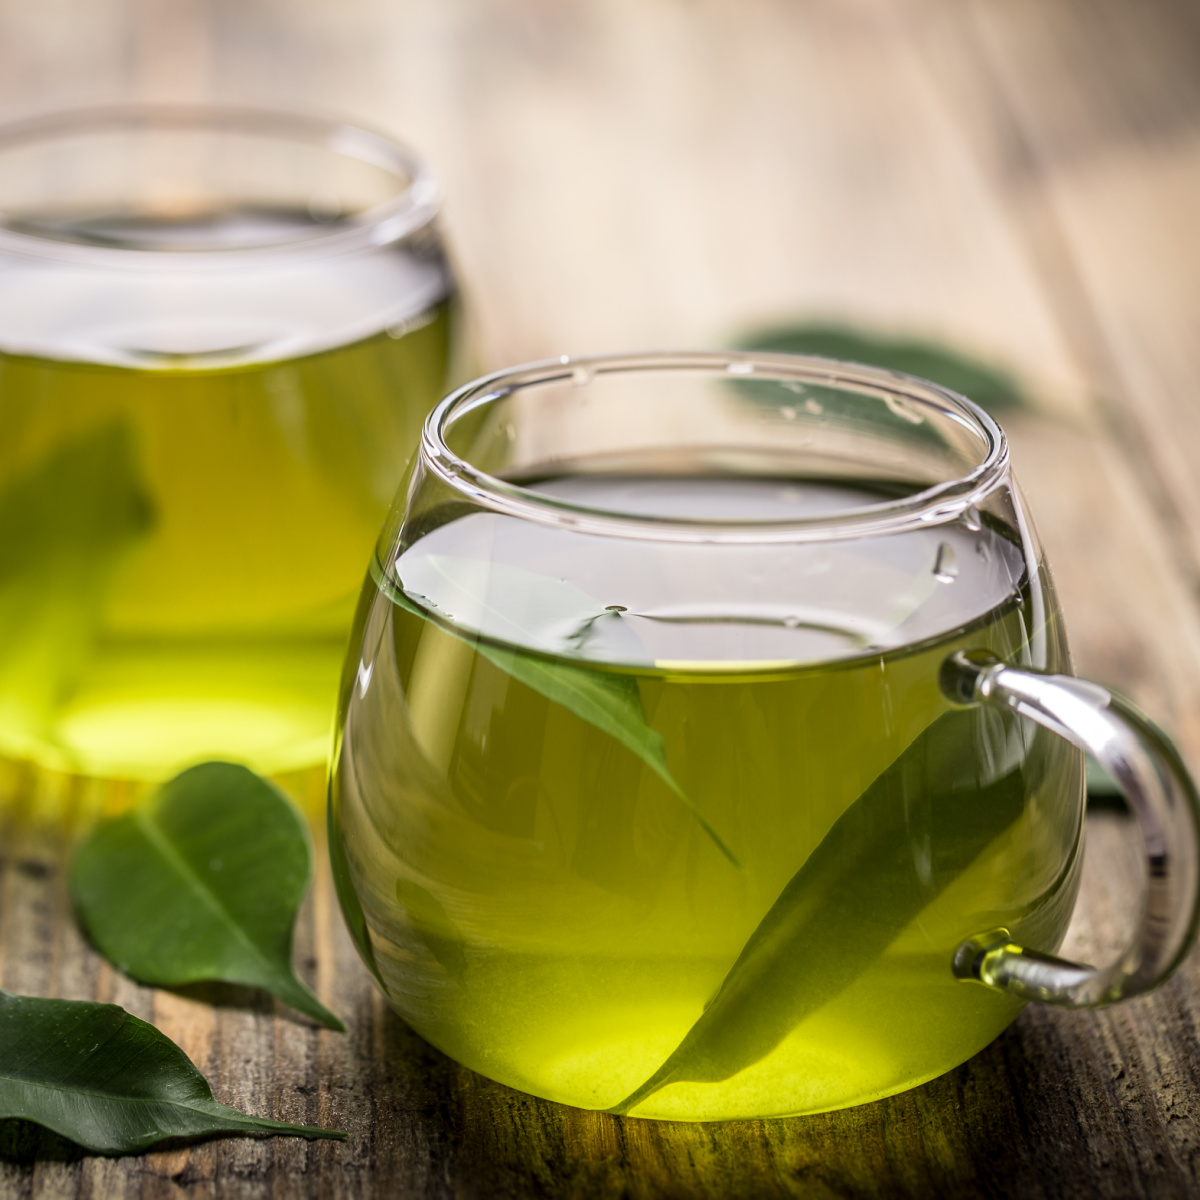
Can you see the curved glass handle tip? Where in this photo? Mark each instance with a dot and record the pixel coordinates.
(1162, 798)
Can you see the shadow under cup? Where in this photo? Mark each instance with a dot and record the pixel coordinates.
(646, 795)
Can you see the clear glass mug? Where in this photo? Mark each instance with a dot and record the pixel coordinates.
(707, 746)
(220, 332)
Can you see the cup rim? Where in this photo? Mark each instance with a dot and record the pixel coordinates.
(415, 205)
(937, 504)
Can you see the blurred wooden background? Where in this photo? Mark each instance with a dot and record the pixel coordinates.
(1018, 177)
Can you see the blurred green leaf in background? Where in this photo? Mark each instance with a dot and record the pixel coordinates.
(991, 387)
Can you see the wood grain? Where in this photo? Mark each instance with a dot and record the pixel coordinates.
(1019, 177)
(421, 1125)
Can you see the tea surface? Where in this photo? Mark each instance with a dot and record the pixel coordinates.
(187, 499)
(690, 831)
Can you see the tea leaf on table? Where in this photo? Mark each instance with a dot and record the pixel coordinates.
(826, 927)
(990, 387)
(109, 1081)
(201, 882)
(65, 524)
(610, 702)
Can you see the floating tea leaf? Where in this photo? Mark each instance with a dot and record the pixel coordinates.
(856, 892)
(610, 702)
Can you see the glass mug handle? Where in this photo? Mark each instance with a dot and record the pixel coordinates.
(1162, 797)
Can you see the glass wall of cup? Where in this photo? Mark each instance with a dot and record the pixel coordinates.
(647, 795)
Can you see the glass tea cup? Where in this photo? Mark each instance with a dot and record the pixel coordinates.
(707, 746)
(220, 332)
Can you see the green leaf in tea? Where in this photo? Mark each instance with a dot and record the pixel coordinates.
(65, 525)
(989, 386)
(610, 702)
(201, 882)
(109, 1081)
(506, 603)
(432, 924)
(854, 894)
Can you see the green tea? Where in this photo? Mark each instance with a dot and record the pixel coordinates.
(691, 831)
(187, 498)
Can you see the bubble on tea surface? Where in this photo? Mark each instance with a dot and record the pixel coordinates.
(945, 565)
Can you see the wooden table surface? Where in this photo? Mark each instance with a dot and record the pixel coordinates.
(1018, 177)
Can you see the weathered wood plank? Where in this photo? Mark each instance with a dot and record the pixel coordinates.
(423, 1126)
(1085, 118)
(627, 173)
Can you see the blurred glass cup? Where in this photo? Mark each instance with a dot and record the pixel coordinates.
(220, 330)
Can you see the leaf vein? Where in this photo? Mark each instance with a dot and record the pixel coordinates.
(158, 837)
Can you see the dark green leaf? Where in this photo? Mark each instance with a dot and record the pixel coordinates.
(108, 1081)
(65, 525)
(1103, 792)
(826, 927)
(610, 702)
(990, 387)
(201, 882)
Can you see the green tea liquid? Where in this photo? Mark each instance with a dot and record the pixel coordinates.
(541, 904)
(185, 518)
